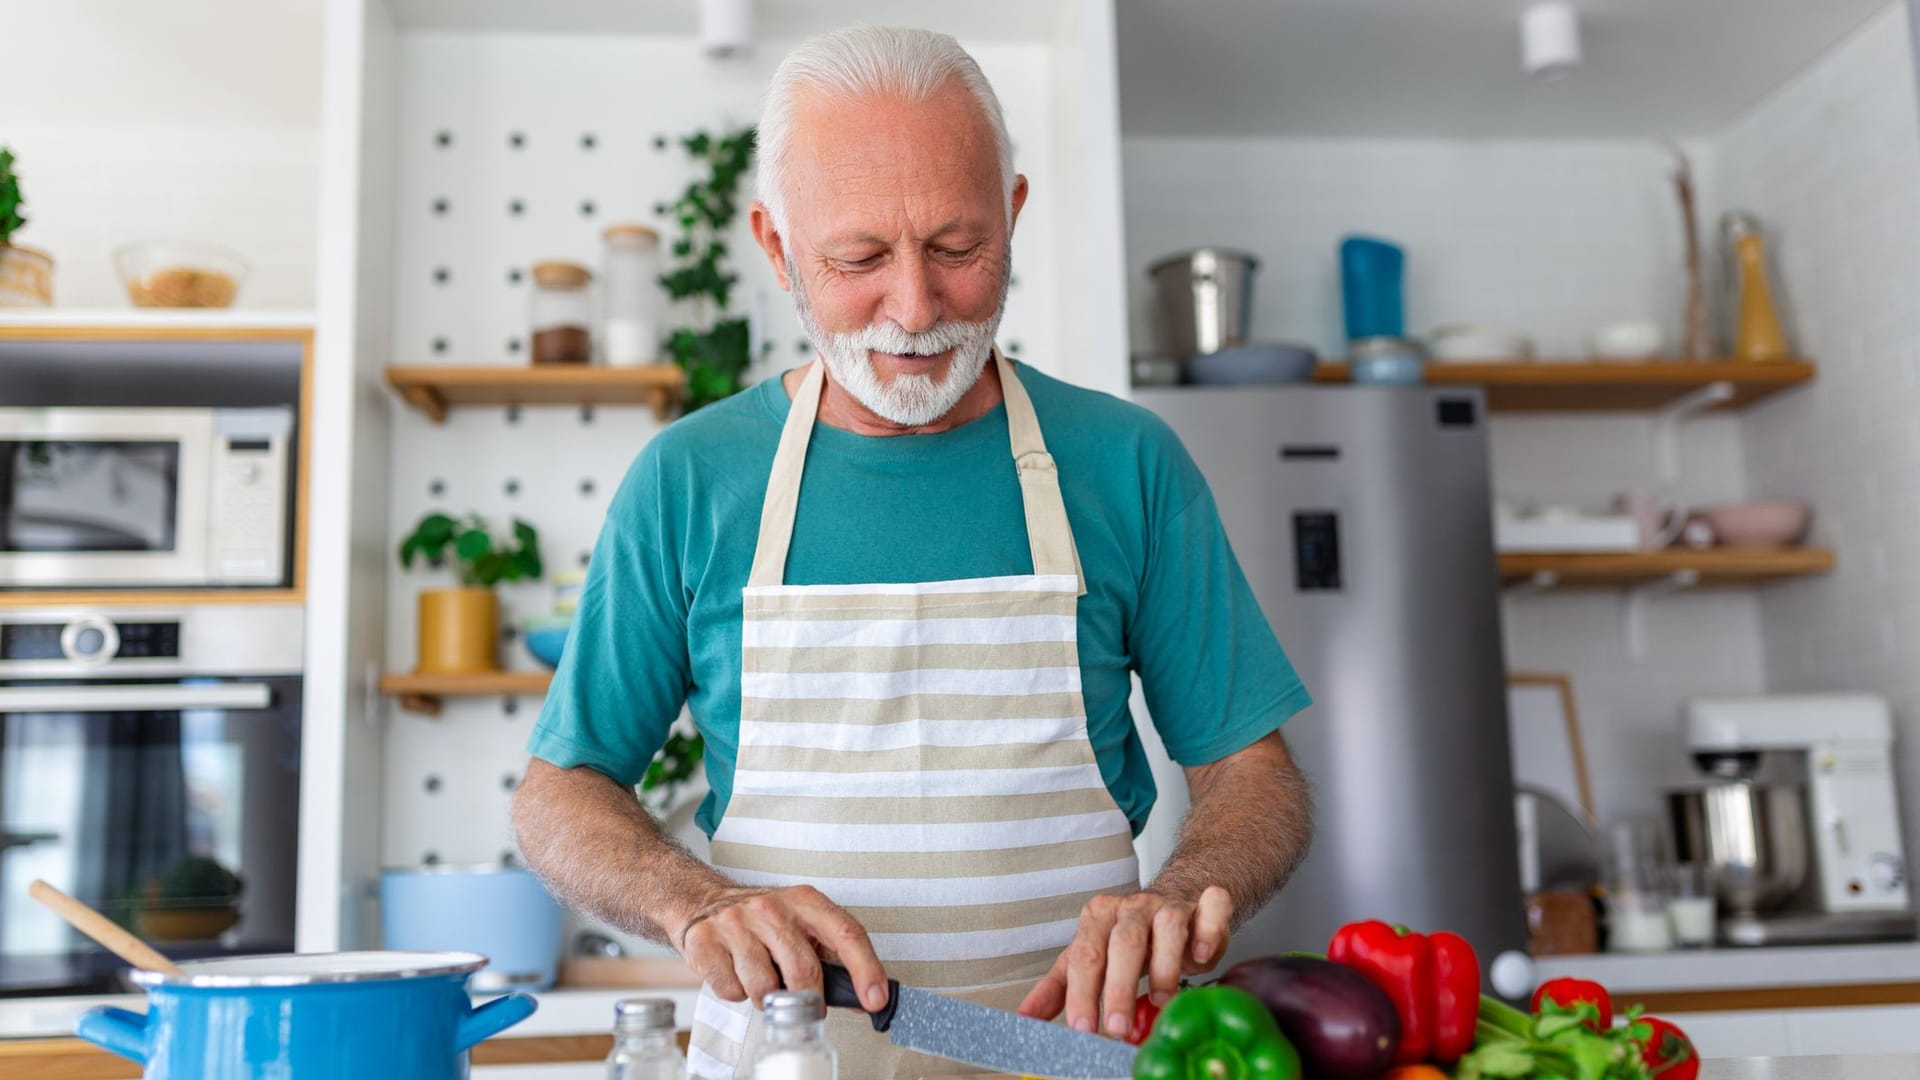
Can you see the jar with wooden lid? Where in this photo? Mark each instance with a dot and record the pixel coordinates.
(630, 282)
(560, 313)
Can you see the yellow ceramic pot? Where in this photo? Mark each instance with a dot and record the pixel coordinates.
(459, 631)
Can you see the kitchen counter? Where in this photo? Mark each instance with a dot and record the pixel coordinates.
(1779, 1068)
(1883, 973)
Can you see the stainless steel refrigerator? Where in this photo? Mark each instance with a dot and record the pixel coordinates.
(1362, 518)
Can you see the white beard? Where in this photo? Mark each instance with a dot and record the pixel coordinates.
(909, 400)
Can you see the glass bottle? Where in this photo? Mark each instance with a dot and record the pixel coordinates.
(1756, 322)
(560, 313)
(794, 1044)
(643, 1044)
(630, 281)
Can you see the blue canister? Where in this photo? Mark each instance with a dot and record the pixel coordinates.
(502, 912)
(318, 1016)
(1370, 275)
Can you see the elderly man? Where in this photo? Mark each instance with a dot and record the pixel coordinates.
(903, 590)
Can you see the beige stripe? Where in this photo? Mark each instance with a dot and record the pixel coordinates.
(928, 810)
(926, 606)
(759, 710)
(994, 758)
(935, 974)
(966, 917)
(921, 864)
(819, 660)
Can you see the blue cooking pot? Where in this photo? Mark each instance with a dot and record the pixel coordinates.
(316, 1016)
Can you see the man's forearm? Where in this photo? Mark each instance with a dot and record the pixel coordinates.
(598, 850)
(1249, 826)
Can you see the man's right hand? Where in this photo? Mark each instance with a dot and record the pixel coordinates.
(746, 943)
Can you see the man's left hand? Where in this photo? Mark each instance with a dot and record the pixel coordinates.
(1121, 938)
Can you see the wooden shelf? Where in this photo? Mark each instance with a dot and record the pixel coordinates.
(1719, 566)
(1605, 385)
(422, 693)
(434, 388)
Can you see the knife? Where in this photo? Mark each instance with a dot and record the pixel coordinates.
(983, 1036)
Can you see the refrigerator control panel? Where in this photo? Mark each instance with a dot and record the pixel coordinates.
(1316, 551)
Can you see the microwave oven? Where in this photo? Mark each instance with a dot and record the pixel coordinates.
(144, 498)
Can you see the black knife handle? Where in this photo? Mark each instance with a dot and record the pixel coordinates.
(842, 994)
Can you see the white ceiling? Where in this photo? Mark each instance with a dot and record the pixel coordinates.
(1452, 67)
(774, 20)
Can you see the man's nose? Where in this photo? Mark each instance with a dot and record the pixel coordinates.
(913, 299)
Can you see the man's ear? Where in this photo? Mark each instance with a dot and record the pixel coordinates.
(1019, 200)
(770, 241)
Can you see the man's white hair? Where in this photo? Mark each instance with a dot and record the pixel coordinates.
(869, 61)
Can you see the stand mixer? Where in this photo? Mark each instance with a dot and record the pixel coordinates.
(1797, 816)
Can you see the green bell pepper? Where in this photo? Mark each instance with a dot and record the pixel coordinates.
(1216, 1033)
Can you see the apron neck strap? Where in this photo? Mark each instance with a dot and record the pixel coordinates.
(1048, 532)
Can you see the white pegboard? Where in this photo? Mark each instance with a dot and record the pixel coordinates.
(564, 128)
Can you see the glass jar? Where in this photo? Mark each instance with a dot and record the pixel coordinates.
(794, 1044)
(630, 283)
(643, 1044)
(1638, 874)
(560, 313)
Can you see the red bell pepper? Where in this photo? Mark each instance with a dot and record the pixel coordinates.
(1401, 964)
(1456, 995)
(1571, 993)
(1668, 1052)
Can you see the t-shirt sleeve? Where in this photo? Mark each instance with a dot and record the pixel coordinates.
(625, 673)
(1215, 677)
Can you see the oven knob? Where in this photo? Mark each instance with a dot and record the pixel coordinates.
(249, 473)
(90, 641)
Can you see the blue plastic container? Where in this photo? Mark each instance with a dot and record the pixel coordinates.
(1370, 288)
(319, 1016)
(502, 912)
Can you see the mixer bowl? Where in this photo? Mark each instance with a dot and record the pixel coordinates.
(1752, 835)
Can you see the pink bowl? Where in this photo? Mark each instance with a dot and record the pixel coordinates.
(1761, 523)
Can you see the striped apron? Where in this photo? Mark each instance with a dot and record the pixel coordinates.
(918, 752)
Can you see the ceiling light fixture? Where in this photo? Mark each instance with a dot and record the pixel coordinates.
(1550, 39)
(726, 28)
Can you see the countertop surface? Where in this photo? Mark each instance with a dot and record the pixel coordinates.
(1778, 1068)
(1714, 969)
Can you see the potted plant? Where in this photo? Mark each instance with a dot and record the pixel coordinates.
(26, 274)
(459, 627)
(193, 900)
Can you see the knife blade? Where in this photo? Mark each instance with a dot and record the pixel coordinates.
(982, 1036)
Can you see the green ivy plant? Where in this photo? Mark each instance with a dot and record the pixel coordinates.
(476, 555)
(715, 351)
(11, 219)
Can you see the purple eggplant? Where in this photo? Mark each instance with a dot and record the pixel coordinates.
(1344, 1026)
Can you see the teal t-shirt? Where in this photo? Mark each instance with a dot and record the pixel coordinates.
(659, 616)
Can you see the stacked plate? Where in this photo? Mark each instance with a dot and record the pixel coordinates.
(1478, 342)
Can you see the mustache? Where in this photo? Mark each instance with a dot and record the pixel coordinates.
(891, 337)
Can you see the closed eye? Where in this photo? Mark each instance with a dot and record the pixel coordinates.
(957, 254)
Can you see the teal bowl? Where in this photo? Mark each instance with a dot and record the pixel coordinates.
(547, 639)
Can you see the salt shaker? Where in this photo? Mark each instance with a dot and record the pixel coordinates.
(643, 1042)
(794, 1045)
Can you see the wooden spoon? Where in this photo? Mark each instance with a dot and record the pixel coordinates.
(111, 936)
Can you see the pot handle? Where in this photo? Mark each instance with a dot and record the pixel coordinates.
(123, 1032)
(491, 1019)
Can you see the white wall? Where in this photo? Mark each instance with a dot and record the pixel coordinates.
(1831, 163)
(135, 121)
(1556, 237)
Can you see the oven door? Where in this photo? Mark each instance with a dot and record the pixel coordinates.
(96, 497)
(171, 806)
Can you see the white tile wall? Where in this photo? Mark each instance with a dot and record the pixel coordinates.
(1554, 237)
(1831, 163)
